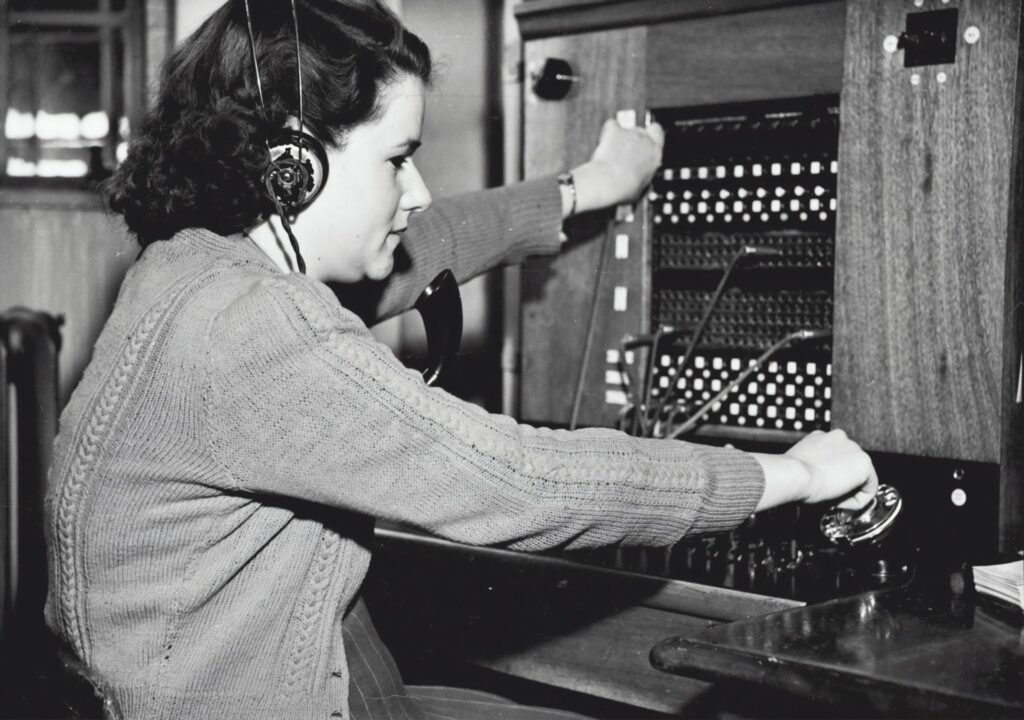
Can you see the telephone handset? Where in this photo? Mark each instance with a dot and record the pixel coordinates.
(440, 306)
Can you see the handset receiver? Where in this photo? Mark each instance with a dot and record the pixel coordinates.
(440, 306)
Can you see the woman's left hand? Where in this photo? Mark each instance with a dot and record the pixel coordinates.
(621, 167)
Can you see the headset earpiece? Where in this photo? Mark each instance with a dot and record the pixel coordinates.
(297, 170)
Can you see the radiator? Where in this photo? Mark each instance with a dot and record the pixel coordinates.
(29, 347)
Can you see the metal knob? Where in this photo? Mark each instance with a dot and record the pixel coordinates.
(867, 525)
(554, 79)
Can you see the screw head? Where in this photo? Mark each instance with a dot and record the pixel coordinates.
(972, 35)
(915, 79)
(890, 44)
(941, 77)
(958, 474)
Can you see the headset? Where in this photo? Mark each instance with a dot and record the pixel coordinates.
(298, 165)
(294, 178)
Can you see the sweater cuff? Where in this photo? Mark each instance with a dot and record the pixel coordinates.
(539, 206)
(732, 492)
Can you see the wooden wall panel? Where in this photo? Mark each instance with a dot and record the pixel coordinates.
(558, 291)
(66, 258)
(745, 56)
(546, 18)
(1011, 497)
(922, 236)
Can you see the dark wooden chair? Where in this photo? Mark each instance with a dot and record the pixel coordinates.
(41, 678)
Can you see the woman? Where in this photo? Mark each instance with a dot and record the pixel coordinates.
(221, 464)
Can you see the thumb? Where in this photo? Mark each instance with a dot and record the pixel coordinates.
(657, 133)
(863, 495)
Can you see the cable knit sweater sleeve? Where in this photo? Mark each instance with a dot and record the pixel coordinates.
(301, 401)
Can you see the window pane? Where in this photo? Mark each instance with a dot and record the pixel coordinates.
(66, 5)
(114, 143)
(66, 105)
(58, 123)
(55, 4)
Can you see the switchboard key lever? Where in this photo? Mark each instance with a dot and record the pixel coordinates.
(867, 525)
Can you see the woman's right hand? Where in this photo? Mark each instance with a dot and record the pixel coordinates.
(823, 466)
(622, 165)
(838, 468)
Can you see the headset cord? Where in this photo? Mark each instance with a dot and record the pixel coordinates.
(300, 264)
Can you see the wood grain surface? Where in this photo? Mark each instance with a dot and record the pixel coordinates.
(778, 53)
(1011, 496)
(546, 18)
(559, 291)
(922, 237)
(608, 658)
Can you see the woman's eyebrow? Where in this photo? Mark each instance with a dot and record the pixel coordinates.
(408, 147)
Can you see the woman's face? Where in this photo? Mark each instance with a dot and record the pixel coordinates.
(351, 231)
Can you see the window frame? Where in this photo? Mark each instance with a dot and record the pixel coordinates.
(138, 37)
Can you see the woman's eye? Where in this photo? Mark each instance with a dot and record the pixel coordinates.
(399, 161)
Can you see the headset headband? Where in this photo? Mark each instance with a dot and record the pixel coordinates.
(298, 164)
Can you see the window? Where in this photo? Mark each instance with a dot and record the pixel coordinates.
(72, 72)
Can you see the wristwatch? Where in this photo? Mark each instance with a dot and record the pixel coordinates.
(566, 180)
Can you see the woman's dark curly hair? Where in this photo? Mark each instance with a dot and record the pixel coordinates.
(198, 158)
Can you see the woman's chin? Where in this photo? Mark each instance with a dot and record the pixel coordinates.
(381, 269)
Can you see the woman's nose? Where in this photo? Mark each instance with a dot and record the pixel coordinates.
(415, 195)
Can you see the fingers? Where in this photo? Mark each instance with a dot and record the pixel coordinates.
(865, 475)
(623, 164)
(866, 493)
(657, 133)
(841, 472)
(654, 131)
(859, 500)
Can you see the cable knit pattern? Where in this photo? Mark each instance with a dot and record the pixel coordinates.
(218, 467)
(69, 546)
(310, 612)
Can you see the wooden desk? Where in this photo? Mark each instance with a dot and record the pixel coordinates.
(565, 625)
(933, 649)
(926, 650)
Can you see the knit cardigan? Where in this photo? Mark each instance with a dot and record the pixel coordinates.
(219, 468)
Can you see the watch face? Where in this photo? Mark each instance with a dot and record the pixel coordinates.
(867, 525)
